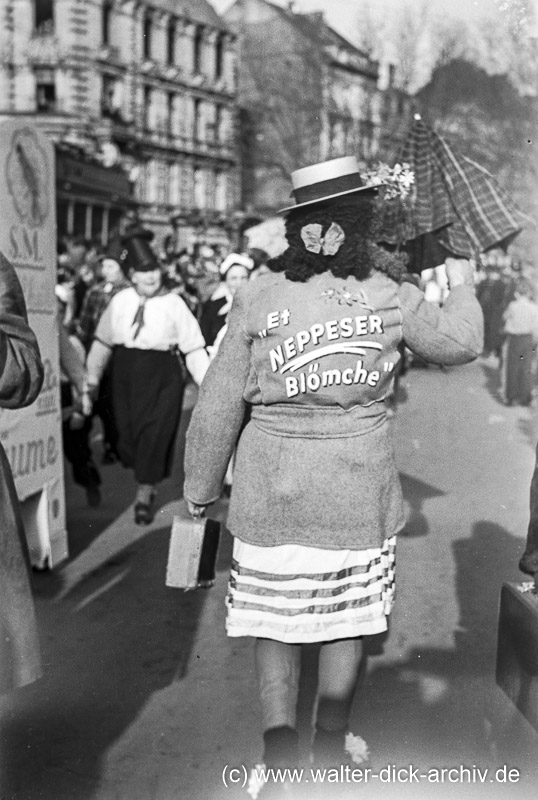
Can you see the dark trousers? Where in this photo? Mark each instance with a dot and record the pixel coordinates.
(147, 392)
(76, 446)
(529, 560)
(519, 363)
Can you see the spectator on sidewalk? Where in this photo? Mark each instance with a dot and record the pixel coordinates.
(492, 294)
(521, 329)
(113, 280)
(76, 418)
(146, 331)
(21, 379)
(234, 271)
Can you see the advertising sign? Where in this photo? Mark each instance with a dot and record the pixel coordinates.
(32, 437)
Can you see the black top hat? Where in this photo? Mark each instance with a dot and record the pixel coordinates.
(140, 256)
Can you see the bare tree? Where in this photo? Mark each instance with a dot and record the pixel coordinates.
(372, 24)
(451, 39)
(288, 90)
(396, 34)
(412, 21)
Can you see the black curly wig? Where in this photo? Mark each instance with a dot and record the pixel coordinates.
(359, 217)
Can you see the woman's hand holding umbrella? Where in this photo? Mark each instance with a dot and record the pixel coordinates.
(459, 271)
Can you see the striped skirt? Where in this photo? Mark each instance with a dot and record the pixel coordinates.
(343, 594)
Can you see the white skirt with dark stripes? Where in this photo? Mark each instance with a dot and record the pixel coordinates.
(341, 593)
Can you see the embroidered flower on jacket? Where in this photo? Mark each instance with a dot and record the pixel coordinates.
(315, 242)
(345, 296)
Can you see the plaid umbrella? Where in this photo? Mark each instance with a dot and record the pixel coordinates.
(457, 207)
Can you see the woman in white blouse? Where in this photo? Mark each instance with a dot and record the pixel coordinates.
(147, 331)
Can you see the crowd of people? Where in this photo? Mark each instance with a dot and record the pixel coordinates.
(508, 302)
(200, 284)
(507, 297)
(134, 327)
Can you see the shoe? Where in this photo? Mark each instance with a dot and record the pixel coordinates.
(280, 753)
(143, 514)
(331, 749)
(93, 494)
(109, 456)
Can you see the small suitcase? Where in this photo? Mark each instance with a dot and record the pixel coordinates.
(517, 648)
(192, 555)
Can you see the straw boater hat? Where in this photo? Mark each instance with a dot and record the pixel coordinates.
(325, 181)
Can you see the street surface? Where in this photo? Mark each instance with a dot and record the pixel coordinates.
(145, 698)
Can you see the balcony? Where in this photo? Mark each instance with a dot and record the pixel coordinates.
(110, 54)
(43, 48)
(116, 127)
(162, 137)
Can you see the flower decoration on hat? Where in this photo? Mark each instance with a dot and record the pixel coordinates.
(397, 181)
(316, 243)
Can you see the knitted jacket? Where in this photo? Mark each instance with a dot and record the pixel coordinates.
(313, 363)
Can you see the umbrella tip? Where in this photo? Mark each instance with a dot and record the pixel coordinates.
(417, 116)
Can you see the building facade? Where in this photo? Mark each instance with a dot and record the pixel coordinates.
(306, 95)
(142, 94)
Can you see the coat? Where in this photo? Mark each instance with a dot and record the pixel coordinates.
(314, 362)
(21, 378)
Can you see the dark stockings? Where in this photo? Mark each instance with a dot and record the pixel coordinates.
(341, 665)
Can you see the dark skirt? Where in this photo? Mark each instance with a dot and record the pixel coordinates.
(147, 392)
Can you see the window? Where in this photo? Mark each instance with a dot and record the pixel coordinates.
(199, 189)
(45, 91)
(170, 113)
(219, 56)
(105, 22)
(218, 124)
(220, 190)
(196, 132)
(44, 15)
(147, 109)
(111, 97)
(171, 42)
(175, 184)
(198, 49)
(163, 182)
(152, 184)
(148, 32)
